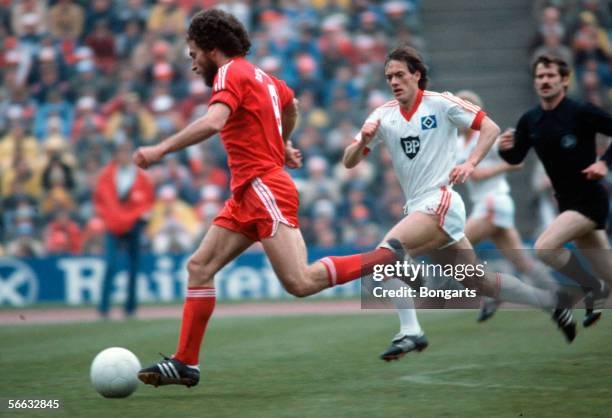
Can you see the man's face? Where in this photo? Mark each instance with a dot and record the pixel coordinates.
(404, 85)
(201, 63)
(124, 154)
(548, 82)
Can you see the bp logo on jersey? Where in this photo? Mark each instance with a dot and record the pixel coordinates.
(429, 122)
(411, 146)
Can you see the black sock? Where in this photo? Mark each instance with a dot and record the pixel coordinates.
(575, 271)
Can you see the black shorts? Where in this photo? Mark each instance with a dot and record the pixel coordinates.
(594, 206)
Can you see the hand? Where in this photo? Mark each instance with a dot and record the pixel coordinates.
(144, 157)
(596, 171)
(368, 131)
(293, 156)
(506, 140)
(461, 173)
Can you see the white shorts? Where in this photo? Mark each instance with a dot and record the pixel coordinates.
(497, 209)
(448, 206)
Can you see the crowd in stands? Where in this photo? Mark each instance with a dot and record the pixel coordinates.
(579, 31)
(79, 78)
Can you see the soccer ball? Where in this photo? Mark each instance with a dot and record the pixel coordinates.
(114, 372)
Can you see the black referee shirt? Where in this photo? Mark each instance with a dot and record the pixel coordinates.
(564, 139)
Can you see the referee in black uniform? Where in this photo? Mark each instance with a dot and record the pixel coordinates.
(562, 131)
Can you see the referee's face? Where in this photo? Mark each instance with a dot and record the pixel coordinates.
(548, 82)
(404, 84)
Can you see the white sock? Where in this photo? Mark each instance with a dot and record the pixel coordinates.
(409, 323)
(513, 290)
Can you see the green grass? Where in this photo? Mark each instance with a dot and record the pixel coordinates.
(326, 366)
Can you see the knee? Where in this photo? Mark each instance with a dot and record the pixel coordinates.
(200, 272)
(544, 251)
(297, 289)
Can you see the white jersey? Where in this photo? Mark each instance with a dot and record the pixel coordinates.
(423, 141)
(496, 185)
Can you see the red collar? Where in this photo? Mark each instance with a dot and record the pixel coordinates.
(408, 114)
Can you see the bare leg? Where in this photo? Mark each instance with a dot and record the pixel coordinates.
(510, 244)
(287, 253)
(218, 248)
(568, 226)
(479, 229)
(596, 248)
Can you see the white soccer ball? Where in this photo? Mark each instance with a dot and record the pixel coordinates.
(114, 372)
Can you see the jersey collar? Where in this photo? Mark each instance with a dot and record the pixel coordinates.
(407, 114)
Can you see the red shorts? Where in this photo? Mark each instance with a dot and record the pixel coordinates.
(257, 208)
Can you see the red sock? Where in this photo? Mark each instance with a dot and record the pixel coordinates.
(344, 269)
(198, 308)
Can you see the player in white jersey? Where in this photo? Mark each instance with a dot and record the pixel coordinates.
(493, 214)
(420, 128)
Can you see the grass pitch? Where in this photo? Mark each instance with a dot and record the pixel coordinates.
(325, 366)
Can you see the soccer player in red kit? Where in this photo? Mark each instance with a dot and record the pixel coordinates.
(255, 115)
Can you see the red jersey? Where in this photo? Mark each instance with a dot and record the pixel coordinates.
(252, 135)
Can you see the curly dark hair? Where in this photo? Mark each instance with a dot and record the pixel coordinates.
(214, 28)
(413, 61)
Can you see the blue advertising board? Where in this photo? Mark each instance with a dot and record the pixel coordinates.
(76, 280)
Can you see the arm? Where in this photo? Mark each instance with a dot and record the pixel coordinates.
(355, 152)
(197, 131)
(514, 146)
(289, 118)
(602, 123)
(488, 133)
(293, 156)
(483, 173)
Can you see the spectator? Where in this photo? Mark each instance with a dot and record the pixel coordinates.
(174, 225)
(57, 173)
(23, 172)
(167, 19)
(54, 105)
(25, 244)
(129, 38)
(102, 10)
(66, 19)
(319, 184)
(167, 119)
(102, 43)
(126, 85)
(209, 205)
(124, 196)
(62, 234)
(93, 237)
(18, 207)
(28, 17)
(551, 45)
(55, 201)
(18, 143)
(132, 120)
(134, 11)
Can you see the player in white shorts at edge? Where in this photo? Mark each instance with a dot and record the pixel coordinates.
(492, 216)
(420, 129)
